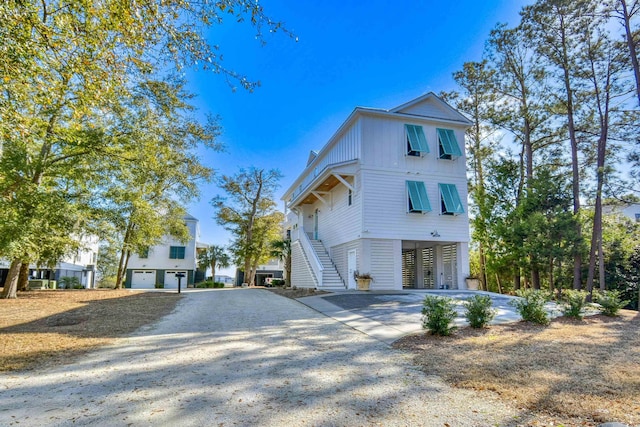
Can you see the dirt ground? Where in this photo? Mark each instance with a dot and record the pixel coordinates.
(40, 328)
(571, 373)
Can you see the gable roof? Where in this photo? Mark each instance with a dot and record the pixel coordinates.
(428, 106)
(431, 105)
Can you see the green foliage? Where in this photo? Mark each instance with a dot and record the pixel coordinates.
(610, 302)
(479, 311)
(574, 302)
(278, 282)
(249, 213)
(210, 284)
(531, 304)
(438, 313)
(281, 249)
(69, 282)
(214, 257)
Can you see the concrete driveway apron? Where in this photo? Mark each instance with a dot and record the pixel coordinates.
(242, 357)
(388, 316)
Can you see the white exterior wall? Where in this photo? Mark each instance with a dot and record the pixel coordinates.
(385, 170)
(378, 221)
(301, 275)
(338, 222)
(346, 148)
(158, 258)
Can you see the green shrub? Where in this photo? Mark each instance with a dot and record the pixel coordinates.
(610, 302)
(437, 315)
(69, 282)
(574, 303)
(530, 306)
(277, 282)
(479, 311)
(210, 284)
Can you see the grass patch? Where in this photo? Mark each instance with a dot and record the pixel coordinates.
(42, 328)
(571, 372)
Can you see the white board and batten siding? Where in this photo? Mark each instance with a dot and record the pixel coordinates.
(345, 148)
(340, 257)
(385, 263)
(301, 273)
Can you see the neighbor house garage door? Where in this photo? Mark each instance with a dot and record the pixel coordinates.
(171, 281)
(143, 279)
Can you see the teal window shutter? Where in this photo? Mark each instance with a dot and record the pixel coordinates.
(418, 200)
(451, 203)
(416, 141)
(176, 252)
(448, 144)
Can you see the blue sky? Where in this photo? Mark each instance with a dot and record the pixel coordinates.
(350, 53)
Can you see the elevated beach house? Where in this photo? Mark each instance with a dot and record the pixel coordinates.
(387, 196)
(158, 265)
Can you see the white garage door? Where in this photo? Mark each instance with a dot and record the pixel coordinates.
(171, 281)
(143, 279)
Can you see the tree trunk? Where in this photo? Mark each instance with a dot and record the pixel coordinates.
(120, 269)
(23, 277)
(11, 284)
(213, 269)
(287, 268)
(631, 45)
(551, 278)
(483, 267)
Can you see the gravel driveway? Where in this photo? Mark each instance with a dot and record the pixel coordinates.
(243, 358)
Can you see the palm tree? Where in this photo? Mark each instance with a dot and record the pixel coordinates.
(215, 257)
(281, 249)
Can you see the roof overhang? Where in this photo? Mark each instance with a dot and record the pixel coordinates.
(323, 183)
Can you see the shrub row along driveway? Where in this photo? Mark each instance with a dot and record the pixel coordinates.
(242, 357)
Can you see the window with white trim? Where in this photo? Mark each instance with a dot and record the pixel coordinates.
(416, 141)
(417, 197)
(448, 146)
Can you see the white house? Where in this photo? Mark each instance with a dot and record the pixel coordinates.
(387, 195)
(81, 265)
(630, 210)
(158, 266)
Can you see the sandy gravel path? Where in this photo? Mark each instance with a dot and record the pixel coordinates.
(242, 358)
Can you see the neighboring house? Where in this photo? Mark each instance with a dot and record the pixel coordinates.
(227, 280)
(273, 269)
(630, 210)
(157, 267)
(387, 195)
(81, 265)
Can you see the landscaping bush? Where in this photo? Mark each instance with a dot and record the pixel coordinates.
(437, 315)
(210, 284)
(574, 303)
(610, 302)
(530, 306)
(68, 282)
(277, 282)
(479, 311)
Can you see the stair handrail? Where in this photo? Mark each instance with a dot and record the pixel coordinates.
(312, 256)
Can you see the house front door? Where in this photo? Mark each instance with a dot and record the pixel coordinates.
(315, 225)
(352, 259)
